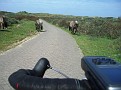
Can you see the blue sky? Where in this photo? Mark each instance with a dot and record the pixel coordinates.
(103, 8)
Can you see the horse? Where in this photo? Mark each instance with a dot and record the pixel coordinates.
(39, 25)
(73, 26)
(3, 22)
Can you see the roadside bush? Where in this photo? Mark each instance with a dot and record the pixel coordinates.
(108, 27)
(21, 17)
(11, 21)
(54, 21)
(63, 23)
(101, 28)
(117, 44)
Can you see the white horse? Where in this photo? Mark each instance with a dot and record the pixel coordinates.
(39, 25)
(73, 26)
(1, 22)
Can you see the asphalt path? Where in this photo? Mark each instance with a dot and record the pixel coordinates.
(54, 44)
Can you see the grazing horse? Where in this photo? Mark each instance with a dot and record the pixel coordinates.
(39, 25)
(73, 26)
(3, 22)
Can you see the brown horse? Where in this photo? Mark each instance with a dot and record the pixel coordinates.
(73, 26)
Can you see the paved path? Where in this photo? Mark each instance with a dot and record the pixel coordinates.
(54, 44)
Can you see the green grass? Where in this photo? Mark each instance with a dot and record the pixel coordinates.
(90, 46)
(94, 46)
(16, 33)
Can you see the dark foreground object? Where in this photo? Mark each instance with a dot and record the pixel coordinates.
(102, 74)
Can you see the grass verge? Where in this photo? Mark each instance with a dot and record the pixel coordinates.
(15, 34)
(94, 46)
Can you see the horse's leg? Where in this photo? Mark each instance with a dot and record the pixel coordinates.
(75, 30)
(69, 28)
(1, 26)
(37, 27)
(41, 27)
(72, 30)
(6, 25)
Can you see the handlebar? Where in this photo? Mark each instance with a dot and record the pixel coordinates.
(97, 69)
(25, 80)
(33, 79)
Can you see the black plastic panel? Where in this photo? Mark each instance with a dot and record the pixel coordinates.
(103, 72)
